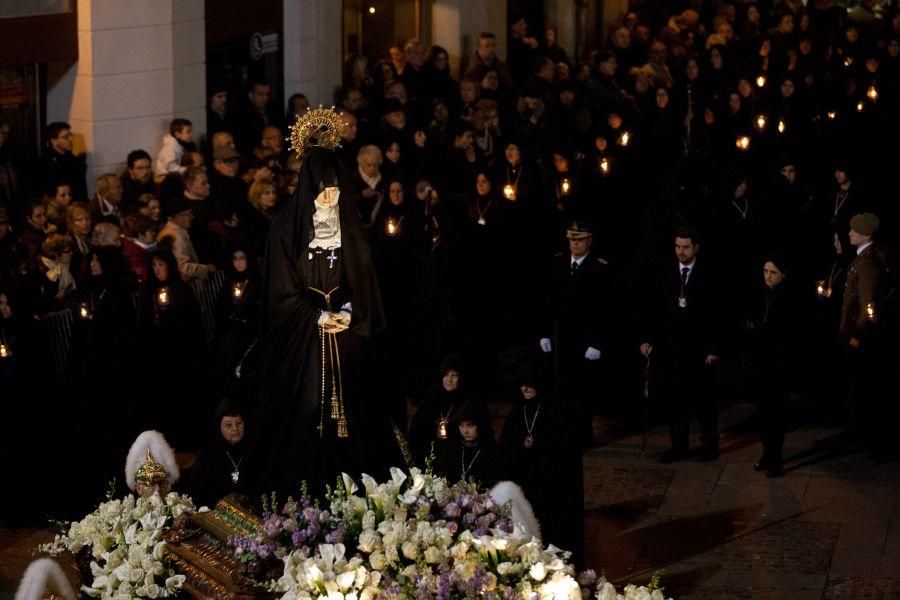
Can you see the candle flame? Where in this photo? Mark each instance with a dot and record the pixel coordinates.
(781, 126)
(859, 106)
(760, 81)
(565, 186)
(761, 122)
(604, 165)
(743, 142)
(872, 93)
(624, 138)
(509, 192)
(4, 351)
(831, 115)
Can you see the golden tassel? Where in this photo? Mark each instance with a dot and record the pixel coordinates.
(335, 410)
(342, 427)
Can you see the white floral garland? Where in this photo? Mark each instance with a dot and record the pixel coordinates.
(125, 537)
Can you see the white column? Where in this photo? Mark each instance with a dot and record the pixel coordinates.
(312, 49)
(140, 64)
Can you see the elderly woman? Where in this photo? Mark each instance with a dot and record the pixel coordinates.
(369, 183)
(78, 228)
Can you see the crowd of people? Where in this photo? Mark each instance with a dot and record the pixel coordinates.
(710, 187)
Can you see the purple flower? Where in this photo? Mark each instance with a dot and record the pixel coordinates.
(452, 510)
(452, 527)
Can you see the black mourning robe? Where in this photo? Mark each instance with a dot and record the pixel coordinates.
(286, 446)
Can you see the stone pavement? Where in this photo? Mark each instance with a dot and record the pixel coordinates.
(829, 529)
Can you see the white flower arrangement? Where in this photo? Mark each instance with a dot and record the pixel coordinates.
(124, 539)
(417, 536)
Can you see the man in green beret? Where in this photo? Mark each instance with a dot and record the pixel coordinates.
(860, 329)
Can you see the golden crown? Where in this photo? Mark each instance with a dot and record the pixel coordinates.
(151, 471)
(316, 127)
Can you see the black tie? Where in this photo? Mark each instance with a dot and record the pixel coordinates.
(574, 267)
(684, 278)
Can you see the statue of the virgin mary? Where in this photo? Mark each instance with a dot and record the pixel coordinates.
(321, 305)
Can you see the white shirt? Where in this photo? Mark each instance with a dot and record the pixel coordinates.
(372, 182)
(860, 249)
(577, 261)
(689, 267)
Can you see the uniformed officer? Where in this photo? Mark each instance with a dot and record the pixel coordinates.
(865, 296)
(575, 316)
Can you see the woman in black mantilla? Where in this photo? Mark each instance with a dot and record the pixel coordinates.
(543, 458)
(219, 466)
(321, 303)
(432, 427)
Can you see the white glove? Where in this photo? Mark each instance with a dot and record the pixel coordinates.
(592, 353)
(546, 345)
(345, 316)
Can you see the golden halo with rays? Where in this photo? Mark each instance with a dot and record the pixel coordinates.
(320, 127)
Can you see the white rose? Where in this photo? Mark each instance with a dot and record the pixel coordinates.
(537, 571)
(368, 540)
(432, 555)
(410, 550)
(378, 560)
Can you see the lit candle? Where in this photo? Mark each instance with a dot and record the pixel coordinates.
(859, 106)
(624, 138)
(820, 288)
(564, 186)
(831, 115)
(442, 429)
(743, 142)
(848, 61)
(761, 81)
(604, 166)
(761, 122)
(83, 311)
(237, 291)
(870, 311)
(391, 227)
(781, 126)
(163, 297)
(5, 352)
(872, 93)
(509, 192)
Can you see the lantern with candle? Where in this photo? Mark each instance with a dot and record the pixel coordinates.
(509, 191)
(781, 126)
(564, 186)
(831, 115)
(743, 143)
(237, 291)
(391, 227)
(84, 311)
(162, 297)
(761, 122)
(860, 106)
(872, 93)
(604, 166)
(848, 61)
(624, 139)
(870, 312)
(5, 350)
(761, 81)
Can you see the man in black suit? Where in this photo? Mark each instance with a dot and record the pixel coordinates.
(681, 326)
(576, 316)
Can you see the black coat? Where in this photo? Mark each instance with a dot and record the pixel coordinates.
(211, 476)
(578, 304)
(683, 336)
